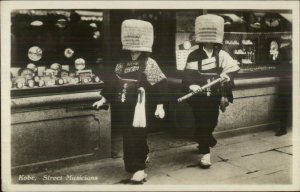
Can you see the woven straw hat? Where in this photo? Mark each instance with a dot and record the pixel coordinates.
(137, 35)
(209, 29)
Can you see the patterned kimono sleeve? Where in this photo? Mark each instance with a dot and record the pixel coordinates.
(158, 82)
(153, 73)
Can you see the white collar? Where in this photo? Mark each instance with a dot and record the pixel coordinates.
(208, 53)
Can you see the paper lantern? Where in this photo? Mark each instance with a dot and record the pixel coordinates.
(209, 29)
(137, 35)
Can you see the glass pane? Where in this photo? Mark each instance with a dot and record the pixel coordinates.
(55, 47)
(257, 40)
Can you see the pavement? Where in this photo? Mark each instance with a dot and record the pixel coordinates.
(253, 158)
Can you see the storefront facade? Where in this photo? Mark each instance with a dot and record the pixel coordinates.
(61, 59)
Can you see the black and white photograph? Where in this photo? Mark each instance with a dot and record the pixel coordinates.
(150, 96)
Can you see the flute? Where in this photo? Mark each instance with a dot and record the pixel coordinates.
(199, 90)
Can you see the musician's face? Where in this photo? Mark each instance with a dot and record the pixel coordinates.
(209, 45)
(135, 55)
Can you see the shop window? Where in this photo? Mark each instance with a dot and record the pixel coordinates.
(155, 18)
(185, 36)
(55, 47)
(258, 41)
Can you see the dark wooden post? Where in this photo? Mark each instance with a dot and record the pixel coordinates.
(106, 39)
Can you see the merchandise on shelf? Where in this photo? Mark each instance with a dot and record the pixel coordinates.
(247, 42)
(231, 42)
(35, 77)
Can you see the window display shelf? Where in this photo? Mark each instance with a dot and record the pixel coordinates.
(55, 90)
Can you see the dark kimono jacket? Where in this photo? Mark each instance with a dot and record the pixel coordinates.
(149, 76)
(200, 70)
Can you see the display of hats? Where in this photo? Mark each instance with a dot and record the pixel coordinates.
(93, 25)
(63, 73)
(137, 35)
(36, 23)
(32, 67)
(27, 73)
(61, 23)
(49, 72)
(79, 64)
(209, 29)
(68, 52)
(272, 22)
(56, 66)
(274, 47)
(35, 53)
